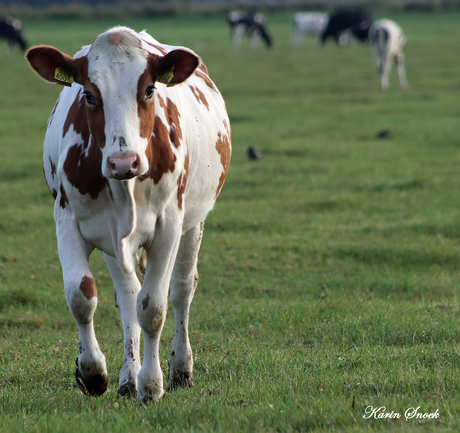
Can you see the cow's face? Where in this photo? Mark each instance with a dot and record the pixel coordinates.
(118, 78)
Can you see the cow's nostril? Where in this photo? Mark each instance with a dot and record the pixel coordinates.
(112, 165)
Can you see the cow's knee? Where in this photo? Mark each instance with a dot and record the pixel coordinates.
(82, 299)
(151, 314)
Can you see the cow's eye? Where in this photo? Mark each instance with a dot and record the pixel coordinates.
(149, 92)
(89, 98)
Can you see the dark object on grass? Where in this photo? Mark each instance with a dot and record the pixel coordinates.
(384, 133)
(254, 154)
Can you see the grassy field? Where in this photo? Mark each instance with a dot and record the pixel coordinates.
(329, 270)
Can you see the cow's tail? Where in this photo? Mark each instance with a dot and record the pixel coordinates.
(142, 261)
(381, 38)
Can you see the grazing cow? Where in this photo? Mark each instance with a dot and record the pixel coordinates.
(308, 23)
(10, 29)
(252, 26)
(136, 152)
(388, 41)
(346, 24)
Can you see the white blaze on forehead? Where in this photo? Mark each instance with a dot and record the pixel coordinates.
(119, 45)
(116, 60)
(116, 55)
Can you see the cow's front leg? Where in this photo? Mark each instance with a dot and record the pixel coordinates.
(152, 304)
(127, 287)
(183, 284)
(81, 295)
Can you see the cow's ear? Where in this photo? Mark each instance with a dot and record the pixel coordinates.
(175, 67)
(55, 66)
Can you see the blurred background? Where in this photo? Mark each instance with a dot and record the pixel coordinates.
(153, 7)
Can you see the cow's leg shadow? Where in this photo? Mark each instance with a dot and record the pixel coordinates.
(183, 284)
(81, 295)
(127, 287)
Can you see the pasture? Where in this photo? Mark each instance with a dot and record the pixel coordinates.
(329, 269)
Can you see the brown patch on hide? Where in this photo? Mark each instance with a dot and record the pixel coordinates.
(199, 95)
(223, 148)
(145, 108)
(162, 103)
(175, 131)
(64, 200)
(157, 47)
(88, 287)
(206, 79)
(95, 115)
(82, 165)
(53, 170)
(76, 117)
(159, 153)
(182, 182)
(202, 67)
(173, 118)
(83, 169)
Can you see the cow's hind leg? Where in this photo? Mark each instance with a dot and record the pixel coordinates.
(127, 287)
(183, 284)
(81, 295)
(402, 70)
(385, 73)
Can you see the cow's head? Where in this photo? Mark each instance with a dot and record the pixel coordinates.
(118, 77)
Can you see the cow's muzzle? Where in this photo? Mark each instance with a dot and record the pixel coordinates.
(123, 166)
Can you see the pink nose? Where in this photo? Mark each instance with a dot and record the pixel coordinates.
(123, 166)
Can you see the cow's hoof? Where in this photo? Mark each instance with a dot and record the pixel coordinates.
(180, 379)
(128, 390)
(149, 397)
(95, 386)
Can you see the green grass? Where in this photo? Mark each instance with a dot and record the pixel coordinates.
(329, 270)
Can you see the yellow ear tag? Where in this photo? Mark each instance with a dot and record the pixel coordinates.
(166, 76)
(63, 77)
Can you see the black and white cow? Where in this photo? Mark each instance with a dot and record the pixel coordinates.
(10, 29)
(308, 23)
(388, 40)
(347, 24)
(253, 26)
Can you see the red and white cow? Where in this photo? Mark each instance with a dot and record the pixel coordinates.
(136, 152)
